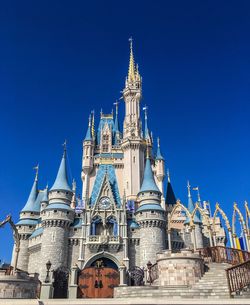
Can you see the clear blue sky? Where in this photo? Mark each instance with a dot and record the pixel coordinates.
(61, 59)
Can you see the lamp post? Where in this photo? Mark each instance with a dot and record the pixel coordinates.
(48, 266)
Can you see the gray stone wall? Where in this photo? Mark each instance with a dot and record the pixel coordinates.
(34, 259)
(152, 241)
(54, 248)
(23, 256)
(198, 236)
(18, 286)
(73, 252)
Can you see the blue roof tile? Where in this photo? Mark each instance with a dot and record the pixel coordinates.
(110, 170)
(148, 207)
(58, 206)
(37, 232)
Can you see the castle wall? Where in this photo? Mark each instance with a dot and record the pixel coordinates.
(34, 259)
(73, 252)
(54, 248)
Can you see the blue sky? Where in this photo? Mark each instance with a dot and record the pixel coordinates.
(61, 59)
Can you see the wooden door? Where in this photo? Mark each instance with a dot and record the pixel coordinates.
(97, 282)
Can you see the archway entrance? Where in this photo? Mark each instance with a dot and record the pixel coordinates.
(98, 280)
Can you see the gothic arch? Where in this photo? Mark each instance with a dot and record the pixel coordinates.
(224, 216)
(183, 208)
(101, 255)
(237, 211)
(202, 212)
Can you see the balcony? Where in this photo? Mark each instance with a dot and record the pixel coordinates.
(98, 243)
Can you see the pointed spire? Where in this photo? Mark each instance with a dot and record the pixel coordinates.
(148, 183)
(29, 206)
(191, 206)
(88, 134)
(131, 69)
(146, 130)
(170, 197)
(158, 154)
(61, 182)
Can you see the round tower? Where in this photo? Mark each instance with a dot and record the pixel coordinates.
(56, 219)
(151, 218)
(26, 225)
(87, 159)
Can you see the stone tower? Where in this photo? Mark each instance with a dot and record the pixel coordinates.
(56, 220)
(133, 144)
(151, 218)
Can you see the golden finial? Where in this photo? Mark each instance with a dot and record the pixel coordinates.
(131, 69)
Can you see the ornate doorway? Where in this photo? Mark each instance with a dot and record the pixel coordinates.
(98, 280)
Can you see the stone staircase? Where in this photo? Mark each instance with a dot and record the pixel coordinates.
(213, 285)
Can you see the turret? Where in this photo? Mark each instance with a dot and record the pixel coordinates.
(151, 218)
(26, 225)
(88, 151)
(56, 219)
(160, 169)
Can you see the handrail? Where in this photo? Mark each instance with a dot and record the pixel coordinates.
(220, 254)
(238, 277)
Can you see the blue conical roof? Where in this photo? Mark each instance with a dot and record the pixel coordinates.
(148, 183)
(158, 153)
(45, 195)
(30, 204)
(61, 182)
(88, 136)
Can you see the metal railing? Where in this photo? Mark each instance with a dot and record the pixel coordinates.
(220, 254)
(238, 277)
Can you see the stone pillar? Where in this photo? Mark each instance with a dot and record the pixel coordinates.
(210, 237)
(193, 237)
(169, 240)
(123, 280)
(73, 282)
(47, 291)
(214, 237)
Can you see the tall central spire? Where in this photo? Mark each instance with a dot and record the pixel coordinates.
(131, 69)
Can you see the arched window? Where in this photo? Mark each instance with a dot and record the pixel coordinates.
(96, 226)
(112, 226)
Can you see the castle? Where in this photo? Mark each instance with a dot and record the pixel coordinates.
(125, 216)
